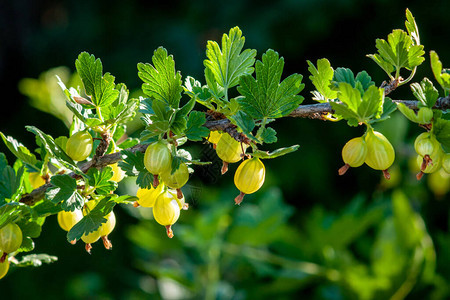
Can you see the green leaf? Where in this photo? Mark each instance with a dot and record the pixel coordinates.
(161, 80)
(276, 153)
(65, 191)
(35, 260)
(21, 152)
(179, 119)
(357, 108)
(344, 75)
(269, 135)
(98, 86)
(398, 52)
(100, 180)
(195, 131)
(159, 121)
(425, 92)
(245, 123)
(93, 220)
(441, 128)
(265, 96)
(372, 103)
(10, 212)
(321, 77)
(133, 165)
(411, 27)
(228, 63)
(442, 78)
(53, 149)
(388, 108)
(420, 117)
(10, 181)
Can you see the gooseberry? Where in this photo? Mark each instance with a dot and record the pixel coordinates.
(118, 173)
(229, 150)
(214, 137)
(147, 197)
(36, 180)
(446, 162)
(67, 219)
(439, 182)
(102, 232)
(166, 211)
(249, 177)
(353, 154)
(4, 267)
(79, 146)
(429, 163)
(380, 153)
(426, 144)
(10, 239)
(177, 179)
(157, 159)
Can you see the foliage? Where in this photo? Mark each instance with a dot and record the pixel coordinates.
(375, 247)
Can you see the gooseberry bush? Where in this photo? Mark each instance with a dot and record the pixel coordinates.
(75, 176)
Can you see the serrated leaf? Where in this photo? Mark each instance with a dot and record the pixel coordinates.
(161, 80)
(276, 153)
(411, 27)
(372, 103)
(416, 117)
(10, 212)
(425, 92)
(98, 86)
(93, 220)
(398, 52)
(265, 96)
(344, 75)
(442, 78)
(21, 152)
(179, 120)
(321, 78)
(245, 123)
(228, 63)
(35, 260)
(65, 190)
(441, 129)
(195, 131)
(269, 135)
(133, 165)
(100, 180)
(53, 149)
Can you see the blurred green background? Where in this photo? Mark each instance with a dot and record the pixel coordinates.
(308, 233)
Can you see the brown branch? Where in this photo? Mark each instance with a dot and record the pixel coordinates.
(98, 161)
(310, 111)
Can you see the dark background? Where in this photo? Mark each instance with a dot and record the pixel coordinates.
(38, 35)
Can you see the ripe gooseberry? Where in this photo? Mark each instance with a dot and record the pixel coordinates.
(214, 137)
(157, 159)
(147, 197)
(4, 267)
(166, 211)
(380, 153)
(229, 150)
(446, 162)
(102, 232)
(79, 146)
(439, 182)
(249, 177)
(10, 239)
(354, 154)
(429, 164)
(177, 179)
(426, 144)
(67, 219)
(36, 180)
(118, 173)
